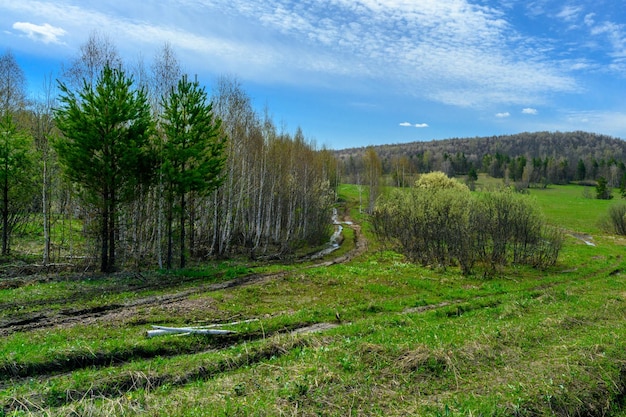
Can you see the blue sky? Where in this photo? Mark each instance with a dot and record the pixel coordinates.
(365, 72)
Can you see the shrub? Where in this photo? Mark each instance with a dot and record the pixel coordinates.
(443, 226)
(547, 248)
(439, 181)
(616, 219)
(430, 226)
(512, 230)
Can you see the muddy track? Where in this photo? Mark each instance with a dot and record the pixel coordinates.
(124, 382)
(10, 373)
(131, 381)
(44, 319)
(121, 282)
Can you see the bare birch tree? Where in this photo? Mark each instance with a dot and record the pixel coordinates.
(12, 85)
(42, 131)
(95, 54)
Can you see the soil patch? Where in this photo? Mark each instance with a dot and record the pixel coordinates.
(315, 328)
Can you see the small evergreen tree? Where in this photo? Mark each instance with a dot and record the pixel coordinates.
(472, 175)
(603, 191)
(106, 147)
(193, 155)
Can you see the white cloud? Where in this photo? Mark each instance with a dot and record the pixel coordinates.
(579, 66)
(452, 52)
(45, 33)
(458, 53)
(614, 42)
(418, 125)
(503, 115)
(569, 13)
(616, 34)
(612, 30)
(530, 111)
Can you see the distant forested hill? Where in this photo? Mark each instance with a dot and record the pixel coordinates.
(539, 157)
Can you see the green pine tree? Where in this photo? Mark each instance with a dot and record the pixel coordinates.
(193, 153)
(603, 191)
(105, 147)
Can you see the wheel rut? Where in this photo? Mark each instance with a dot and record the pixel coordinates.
(109, 312)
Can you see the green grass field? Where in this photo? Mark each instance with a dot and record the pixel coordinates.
(568, 207)
(571, 207)
(373, 336)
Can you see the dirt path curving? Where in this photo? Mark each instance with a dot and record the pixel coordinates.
(120, 312)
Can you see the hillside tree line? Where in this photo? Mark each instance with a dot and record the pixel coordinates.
(526, 159)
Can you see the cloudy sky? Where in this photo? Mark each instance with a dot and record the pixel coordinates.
(365, 72)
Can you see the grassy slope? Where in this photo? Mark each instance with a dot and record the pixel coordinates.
(568, 206)
(574, 211)
(412, 341)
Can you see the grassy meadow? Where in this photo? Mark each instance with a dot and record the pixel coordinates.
(362, 335)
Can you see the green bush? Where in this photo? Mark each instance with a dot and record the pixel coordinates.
(450, 226)
(430, 227)
(439, 181)
(615, 222)
(509, 227)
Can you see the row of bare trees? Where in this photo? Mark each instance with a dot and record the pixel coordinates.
(276, 188)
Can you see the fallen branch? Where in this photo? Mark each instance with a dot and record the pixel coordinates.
(161, 330)
(210, 329)
(225, 324)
